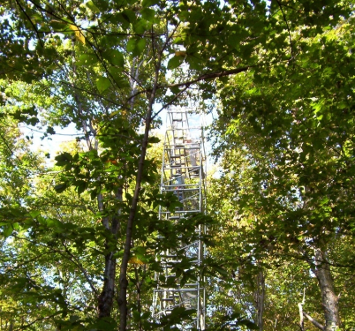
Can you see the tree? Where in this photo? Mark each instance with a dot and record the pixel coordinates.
(105, 66)
(292, 123)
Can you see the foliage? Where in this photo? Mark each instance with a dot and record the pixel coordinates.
(71, 230)
(286, 138)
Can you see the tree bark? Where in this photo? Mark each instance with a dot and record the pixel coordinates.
(326, 283)
(105, 302)
(106, 297)
(260, 299)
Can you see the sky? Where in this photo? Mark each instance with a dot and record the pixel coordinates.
(51, 144)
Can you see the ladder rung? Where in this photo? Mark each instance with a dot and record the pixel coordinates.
(169, 256)
(171, 262)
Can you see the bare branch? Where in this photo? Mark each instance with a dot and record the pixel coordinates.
(314, 322)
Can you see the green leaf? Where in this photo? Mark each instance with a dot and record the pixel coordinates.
(179, 41)
(104, 324)
(175, 61)
(61, 187)
(148, 3)
(92, 7)
(81, 186)
(131, 45)
(7, 231)
(102, 84)
(141, 45)
(50, 130)
(135, 46)
(129, 15)
(175, 89)
(140, 26)
(148, 14)
(63, 159)
(34, 213)
(57, 24)
(154, 140)
(87, 59)
(115, 57)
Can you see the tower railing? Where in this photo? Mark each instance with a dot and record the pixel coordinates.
(183, 174)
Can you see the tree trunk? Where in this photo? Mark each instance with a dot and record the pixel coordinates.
(300, 309)
(105, 303)
(260, 298)
(329, 298)
(123, 283)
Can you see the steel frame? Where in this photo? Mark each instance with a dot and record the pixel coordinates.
(183, 173)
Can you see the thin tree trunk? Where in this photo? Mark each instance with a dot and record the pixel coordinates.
(122, 299)
(106, 298)
(260, 299)
(129, 230)
(329, 298)
(300, 309)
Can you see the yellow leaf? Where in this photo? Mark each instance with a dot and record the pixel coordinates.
(78, 34)
(180, 53)
(135, 260)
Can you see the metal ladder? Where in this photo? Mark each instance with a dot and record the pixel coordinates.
(183, 174)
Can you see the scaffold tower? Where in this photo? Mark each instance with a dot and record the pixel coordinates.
(183, 174)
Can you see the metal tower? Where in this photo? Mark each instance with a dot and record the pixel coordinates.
(183, 174)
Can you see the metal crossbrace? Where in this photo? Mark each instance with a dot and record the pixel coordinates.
(183, 174)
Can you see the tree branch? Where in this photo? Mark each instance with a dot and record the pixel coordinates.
(33, 25)
(207, 76)
(176, 96)
(314, 322)
(211, 75)
(40, 319)
(288, 27)
(300, 309)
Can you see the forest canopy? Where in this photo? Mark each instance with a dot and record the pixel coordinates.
(277, 77)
